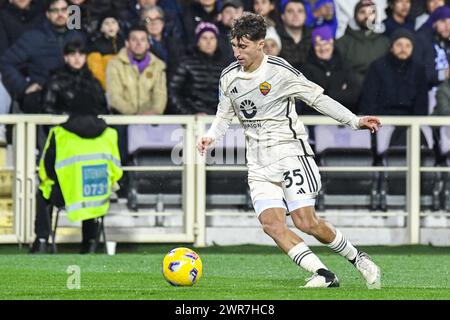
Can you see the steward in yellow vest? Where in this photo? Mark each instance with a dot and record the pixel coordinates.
(79, 166)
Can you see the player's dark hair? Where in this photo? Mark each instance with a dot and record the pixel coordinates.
(251, 26)
(49, 3)
(136, 27)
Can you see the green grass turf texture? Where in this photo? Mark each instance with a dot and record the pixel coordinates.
(234, 272)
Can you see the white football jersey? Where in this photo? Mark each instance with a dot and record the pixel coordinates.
(264, 102)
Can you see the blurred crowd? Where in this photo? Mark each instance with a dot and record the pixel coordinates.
(152, 57)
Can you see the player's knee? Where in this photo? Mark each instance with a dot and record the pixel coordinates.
(309, 226)
(274, 229)
(298, 222)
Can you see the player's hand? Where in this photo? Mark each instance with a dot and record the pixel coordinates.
(203, 143)
(370, 122)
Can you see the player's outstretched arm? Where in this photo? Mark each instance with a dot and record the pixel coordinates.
(203, 143)
(332, 108)
(313, 95)
(370, 122)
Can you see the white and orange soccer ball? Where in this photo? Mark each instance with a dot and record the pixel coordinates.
(182, 267)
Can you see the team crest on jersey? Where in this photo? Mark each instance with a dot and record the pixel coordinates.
(265, 87)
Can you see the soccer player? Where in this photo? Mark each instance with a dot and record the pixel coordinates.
(282, 175)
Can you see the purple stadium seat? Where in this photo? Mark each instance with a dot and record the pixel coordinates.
(385, 133)
(383, 138)
(233, 138)
(445, 139)
(342, 146)
(340, 137)
(229, 150)
(151, 137)
(225, 188)
(5, 100)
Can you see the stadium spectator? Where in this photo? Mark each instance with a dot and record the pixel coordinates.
(345, 13)
(231, 10)
(40, 51)
(398, 16)
(106, 46)
(99, 7)
(430, 6)
(272, 43)
(324, 14)
(198, 11)
(16, 17)
(326, 68)
(82, 185)
(267, 9)
(361, 45)
(433, 48)
(163, 43)
(74, 86)
(135, 82)
(318, 13)
(395, 84)
(295, 36)
(193, 89)
(173, 17)
(135, 70)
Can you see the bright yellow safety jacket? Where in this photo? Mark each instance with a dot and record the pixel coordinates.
(86, 170)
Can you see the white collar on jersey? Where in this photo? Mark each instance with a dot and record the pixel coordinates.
(248, 75)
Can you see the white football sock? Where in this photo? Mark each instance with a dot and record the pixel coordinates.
(343, 246)
(305, 258)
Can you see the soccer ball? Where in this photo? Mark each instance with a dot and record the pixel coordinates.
(182, 267)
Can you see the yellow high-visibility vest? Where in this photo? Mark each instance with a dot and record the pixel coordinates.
(86, 170)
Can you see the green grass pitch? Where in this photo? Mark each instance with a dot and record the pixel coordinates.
(236, 272)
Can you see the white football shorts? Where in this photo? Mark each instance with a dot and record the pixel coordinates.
(291, 183)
